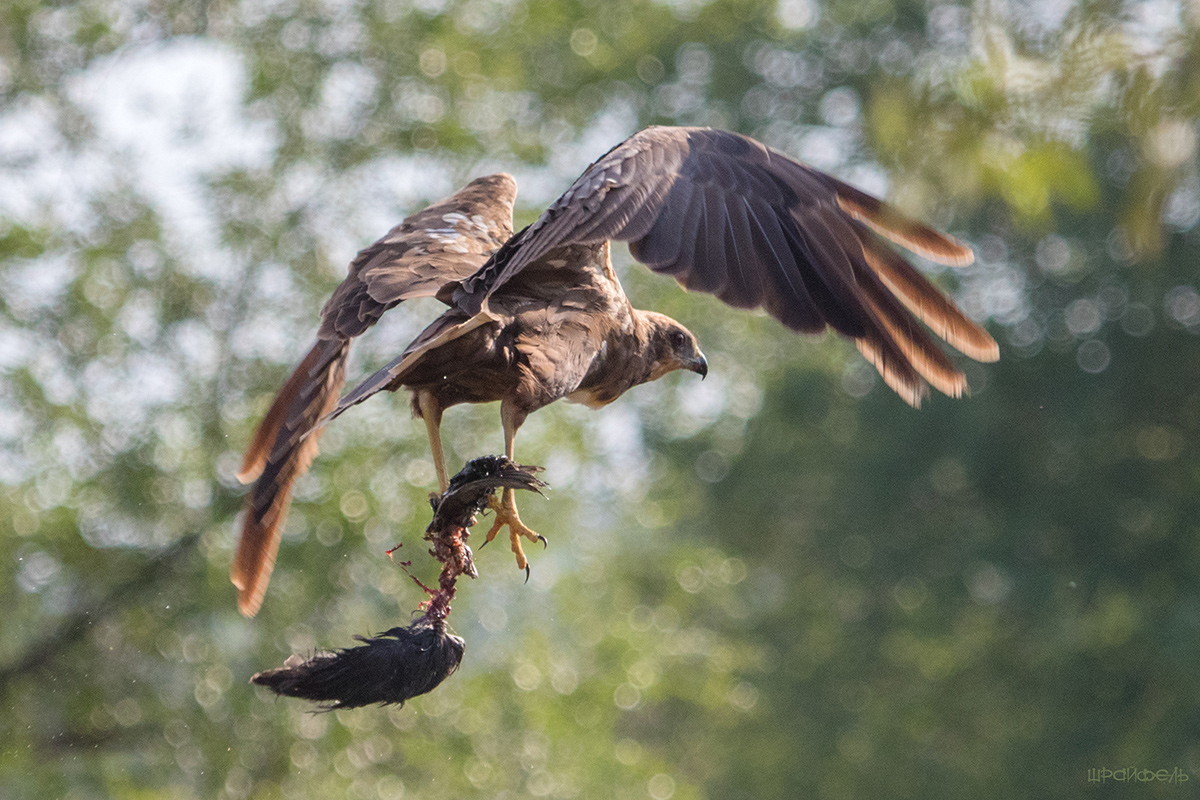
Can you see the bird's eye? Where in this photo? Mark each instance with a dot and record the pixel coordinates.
(678, 339)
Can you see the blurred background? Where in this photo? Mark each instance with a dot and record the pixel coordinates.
(781, 582)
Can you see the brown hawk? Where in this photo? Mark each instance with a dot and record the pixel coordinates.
(540, 316)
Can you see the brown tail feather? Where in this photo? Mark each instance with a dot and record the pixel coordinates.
(268, 429)
(909, 234)
(928, 303)
(281, 452)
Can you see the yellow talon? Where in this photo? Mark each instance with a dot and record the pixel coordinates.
(506, 514)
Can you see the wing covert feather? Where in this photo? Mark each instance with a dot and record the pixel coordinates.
(442, 244)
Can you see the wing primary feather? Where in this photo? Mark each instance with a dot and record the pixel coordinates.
(791, 304)
(307, 396)
(890, 223)
(916, 346)
(776, 242)
(759, 264)
(829, 279)
(700, 253)
(927, 302)
(693, 236)
(897, 373)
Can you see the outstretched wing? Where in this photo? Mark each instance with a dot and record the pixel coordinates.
(725, 214)
(437, 246)
(440, 245)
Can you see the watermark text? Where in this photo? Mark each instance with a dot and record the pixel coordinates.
(1137, 775)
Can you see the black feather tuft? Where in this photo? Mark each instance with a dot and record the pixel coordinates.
(470, 490)
(392, 667)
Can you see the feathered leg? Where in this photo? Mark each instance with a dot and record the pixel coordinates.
(431, 412)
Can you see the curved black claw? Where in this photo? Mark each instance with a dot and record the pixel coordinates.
(484, 543)
(526, 573)
(542, 539)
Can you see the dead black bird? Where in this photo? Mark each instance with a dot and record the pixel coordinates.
(392, 667)
(401, 663)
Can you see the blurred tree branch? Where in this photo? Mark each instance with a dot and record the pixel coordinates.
(89, 612)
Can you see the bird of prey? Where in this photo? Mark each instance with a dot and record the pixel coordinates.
(540, 316)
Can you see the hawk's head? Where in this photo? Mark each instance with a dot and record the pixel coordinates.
(672, 346)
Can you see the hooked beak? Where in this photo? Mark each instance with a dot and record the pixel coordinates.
(699, 365)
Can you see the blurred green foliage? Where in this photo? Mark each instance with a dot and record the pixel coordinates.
(780, 582)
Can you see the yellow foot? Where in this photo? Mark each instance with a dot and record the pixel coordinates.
(506, 514)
